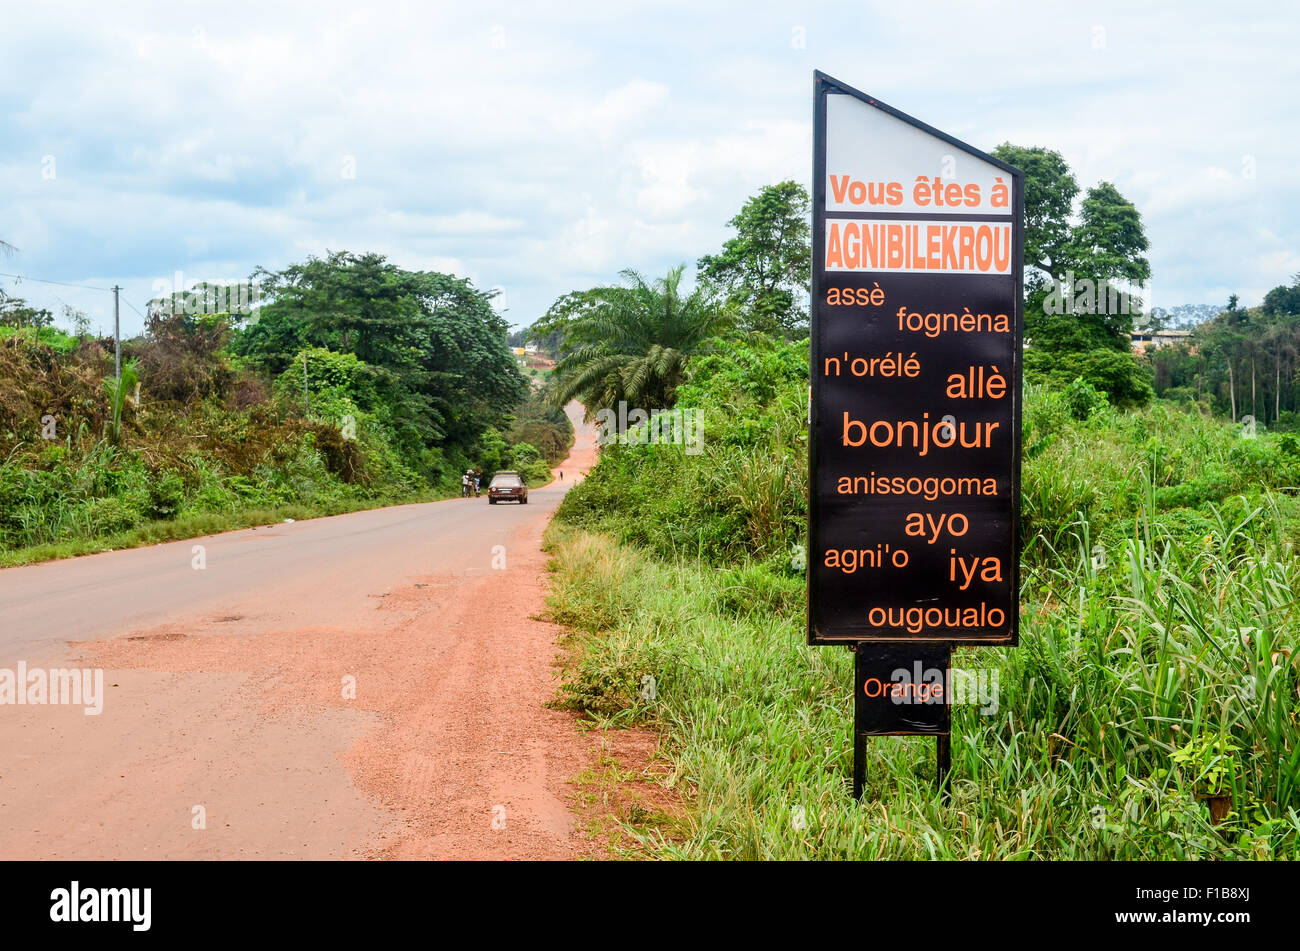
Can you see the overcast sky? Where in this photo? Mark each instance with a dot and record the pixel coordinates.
(543, 147)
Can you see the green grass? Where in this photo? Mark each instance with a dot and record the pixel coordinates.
(1144, 692)
(1150, 711)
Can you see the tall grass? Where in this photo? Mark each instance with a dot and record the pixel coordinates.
(1151, 711)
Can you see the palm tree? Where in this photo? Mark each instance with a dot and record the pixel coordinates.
(632, 341)
(117, 390)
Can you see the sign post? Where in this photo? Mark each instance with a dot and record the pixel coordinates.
(914, 448)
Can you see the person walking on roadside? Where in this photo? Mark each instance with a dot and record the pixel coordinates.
(464, 485)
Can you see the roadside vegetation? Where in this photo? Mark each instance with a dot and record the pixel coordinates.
(357, 384)
(1152, 709)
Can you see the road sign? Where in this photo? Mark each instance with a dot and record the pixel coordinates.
(914, 447)
(914, 454)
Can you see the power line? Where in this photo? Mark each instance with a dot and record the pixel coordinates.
(38, 280)
(117, 296)
(107, 290)
(92, 287)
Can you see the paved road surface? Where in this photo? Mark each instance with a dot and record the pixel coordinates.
(366, 685)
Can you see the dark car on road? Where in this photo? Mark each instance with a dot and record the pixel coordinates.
(507, 486)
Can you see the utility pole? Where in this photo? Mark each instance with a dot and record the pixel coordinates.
(117, 338)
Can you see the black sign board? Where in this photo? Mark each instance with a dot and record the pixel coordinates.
(902, 689)
(914, 449)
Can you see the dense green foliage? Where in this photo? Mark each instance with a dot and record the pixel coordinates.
(1151, 710)
(436, 345)
(357, 384)
(745, 493)
(538, 440)
(1098, 239)
(1241, 363)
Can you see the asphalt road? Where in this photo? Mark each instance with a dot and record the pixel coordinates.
(370, 685)
(308, 573)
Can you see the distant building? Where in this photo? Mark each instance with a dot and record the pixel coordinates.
(1144, 340)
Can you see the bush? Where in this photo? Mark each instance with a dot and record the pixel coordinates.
(1083, 399)
(328, 373)
(166, 494)
(536, 473)
(523, 454)
(109, 516)
(743, 496)
(1287, 421)
(181, 358)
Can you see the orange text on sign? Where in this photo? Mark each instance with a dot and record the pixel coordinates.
(933, 246)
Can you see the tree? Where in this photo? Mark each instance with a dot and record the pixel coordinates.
(1109, 241)
(181, 357)
(1282, 300)
(16, 312)
(346, 302)
(78, 319)
(629, 342)
(764, 270)
(1104, 243)
(1050, 190)
(436, 344)
(1248, 357)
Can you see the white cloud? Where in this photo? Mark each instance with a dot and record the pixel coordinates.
(542, 148)
(624, 104)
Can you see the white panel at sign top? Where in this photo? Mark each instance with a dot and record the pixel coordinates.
(872, 147)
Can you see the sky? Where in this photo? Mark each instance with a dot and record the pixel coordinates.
(544, 147)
